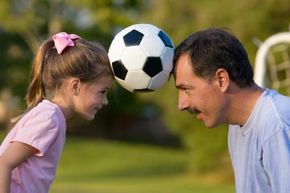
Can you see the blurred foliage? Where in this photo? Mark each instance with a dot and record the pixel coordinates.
(23, 23)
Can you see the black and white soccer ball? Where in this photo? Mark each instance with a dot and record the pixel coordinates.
(141, 57)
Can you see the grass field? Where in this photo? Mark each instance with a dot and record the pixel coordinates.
(96, 166)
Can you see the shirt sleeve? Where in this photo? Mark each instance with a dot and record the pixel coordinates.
(276, 160)
(38, 131)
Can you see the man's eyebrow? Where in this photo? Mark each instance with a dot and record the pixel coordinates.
(181, 86)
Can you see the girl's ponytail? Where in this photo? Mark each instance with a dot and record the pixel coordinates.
(35, 92)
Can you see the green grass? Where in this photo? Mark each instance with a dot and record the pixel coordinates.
(97, 166)
(167, 184)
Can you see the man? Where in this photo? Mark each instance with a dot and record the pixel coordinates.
(214, 79)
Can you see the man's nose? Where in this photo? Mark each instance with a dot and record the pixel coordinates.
(183, 102)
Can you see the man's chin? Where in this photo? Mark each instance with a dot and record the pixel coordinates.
(209, 124)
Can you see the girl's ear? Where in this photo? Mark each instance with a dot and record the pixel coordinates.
(74, 86)
(223, 79)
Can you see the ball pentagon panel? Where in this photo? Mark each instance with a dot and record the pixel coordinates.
(133, 38)
(119, 69)
(165, 38)
(153, 66)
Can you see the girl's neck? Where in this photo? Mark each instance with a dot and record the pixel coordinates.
(65, 108)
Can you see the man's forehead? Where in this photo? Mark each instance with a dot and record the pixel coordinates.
(183, 68)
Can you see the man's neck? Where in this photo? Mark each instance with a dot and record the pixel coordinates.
(243, 101)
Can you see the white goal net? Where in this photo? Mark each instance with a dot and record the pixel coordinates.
(272, 63)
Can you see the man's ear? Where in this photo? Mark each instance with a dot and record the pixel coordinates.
(223, 79)
(74, 86)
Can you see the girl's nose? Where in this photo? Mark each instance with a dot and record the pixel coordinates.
(105, 101)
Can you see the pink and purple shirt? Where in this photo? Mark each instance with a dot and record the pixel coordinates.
(43, 128)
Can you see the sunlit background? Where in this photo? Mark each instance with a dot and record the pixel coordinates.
(140, 143)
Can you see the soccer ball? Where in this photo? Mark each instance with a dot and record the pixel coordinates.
(141, 57)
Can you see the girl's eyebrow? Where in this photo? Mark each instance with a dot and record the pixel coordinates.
(107, 88)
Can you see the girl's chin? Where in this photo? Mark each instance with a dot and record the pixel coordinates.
(89, 116)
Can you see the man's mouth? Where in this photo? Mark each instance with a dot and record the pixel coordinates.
(194, 111)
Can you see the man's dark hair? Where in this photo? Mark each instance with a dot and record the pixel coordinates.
(214, 48)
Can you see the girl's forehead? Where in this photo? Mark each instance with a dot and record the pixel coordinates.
(104, 82)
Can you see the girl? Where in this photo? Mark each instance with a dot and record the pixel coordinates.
(69, 76)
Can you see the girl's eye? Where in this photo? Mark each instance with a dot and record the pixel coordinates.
(104, 91)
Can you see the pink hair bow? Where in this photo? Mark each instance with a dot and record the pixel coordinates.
(63, 40)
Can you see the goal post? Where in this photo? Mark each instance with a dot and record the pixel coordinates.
(266, 64)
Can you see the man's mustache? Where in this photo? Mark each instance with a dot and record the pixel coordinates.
(193, 110)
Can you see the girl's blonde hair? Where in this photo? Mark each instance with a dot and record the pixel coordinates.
(86, 60)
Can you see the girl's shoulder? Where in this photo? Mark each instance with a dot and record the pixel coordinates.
(45, 110)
